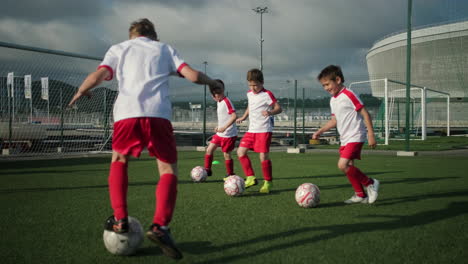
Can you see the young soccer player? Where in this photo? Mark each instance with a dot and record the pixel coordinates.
(262, 106)
(226, 131)
(353, 122)
(142, 111)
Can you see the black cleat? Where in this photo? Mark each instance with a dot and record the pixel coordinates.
(120, 226)
(164, 240)
(208, 172)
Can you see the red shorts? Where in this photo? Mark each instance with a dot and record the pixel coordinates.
(227, 143)
(258, 142)
(351, 150)
(132, 135)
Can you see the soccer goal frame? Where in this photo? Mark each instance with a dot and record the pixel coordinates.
(389, 96)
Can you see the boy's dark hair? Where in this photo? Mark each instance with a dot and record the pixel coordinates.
(331, 72)
(218, 90)
(143, 27)
(255, 75)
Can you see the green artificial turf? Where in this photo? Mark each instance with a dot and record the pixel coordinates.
(53, 212)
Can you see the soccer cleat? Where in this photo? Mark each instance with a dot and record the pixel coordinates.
(250, 181)
(266, 187)
(120, 226)
(373, 191)
(163, 238)
(356, 199)
(208, 172)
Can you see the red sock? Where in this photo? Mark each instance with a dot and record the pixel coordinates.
(267, 170)
(118, 185)
(229, 166)
(354, 177)
(363, 179)
(246, 165)
(166, 195)
(208, 161)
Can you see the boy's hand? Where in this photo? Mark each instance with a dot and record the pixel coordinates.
(316, 135)
(220, 129)
(78, 95)
(266, 113)
(239, 120)
(371, 141)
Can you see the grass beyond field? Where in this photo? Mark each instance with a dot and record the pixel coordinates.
(53, 212)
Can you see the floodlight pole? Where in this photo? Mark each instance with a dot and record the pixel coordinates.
(204, 109)
(408, 74)
(261, 10)
(295, 114)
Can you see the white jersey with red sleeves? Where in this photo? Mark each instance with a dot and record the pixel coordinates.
(142, 67)
(345, 106)
(225, 109)
(259, 102)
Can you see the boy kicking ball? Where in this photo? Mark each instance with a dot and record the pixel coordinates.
(226, 131)
(353, 122)
(262, 106)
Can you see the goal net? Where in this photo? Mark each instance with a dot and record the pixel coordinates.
(429, 110)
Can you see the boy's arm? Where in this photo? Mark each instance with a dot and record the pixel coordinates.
(329, 125)
(93, 80)
(198, 77)
(243, 117)
(228, 124)
(370, 129)
(276, 110)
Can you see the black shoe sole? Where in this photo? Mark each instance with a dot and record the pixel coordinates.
(168, 250)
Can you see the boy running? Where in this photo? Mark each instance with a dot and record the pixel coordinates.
(353, 123)
(226, 131)
(262, 106)
(142, 66)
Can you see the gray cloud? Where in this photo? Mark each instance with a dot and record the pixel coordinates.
(301, 36)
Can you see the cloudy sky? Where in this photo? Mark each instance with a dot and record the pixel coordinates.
(300, 36)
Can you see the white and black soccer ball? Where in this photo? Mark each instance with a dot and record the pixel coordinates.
(234, 185)
(127, 243)
(198, 174)
(308, 195)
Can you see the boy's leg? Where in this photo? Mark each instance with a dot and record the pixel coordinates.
(162, 145)
(246, 167)
(372, 185)
(209, 157)
(359, 194)
(267, 173)
(229, 163)
(166, 194)
(227, 146)
(266, 166)
(118, 185)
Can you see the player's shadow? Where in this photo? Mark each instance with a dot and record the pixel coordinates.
(53, 171)
(394, 222)
(339, 175)
(48, 189)
(189, 247)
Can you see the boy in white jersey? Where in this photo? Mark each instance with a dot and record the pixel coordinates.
(353, 123)
(142, 66)
(226, 131)
(261, 109)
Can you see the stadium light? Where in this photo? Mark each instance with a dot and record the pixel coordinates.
(261, 10)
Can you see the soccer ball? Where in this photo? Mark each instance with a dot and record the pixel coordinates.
(234, 185)
(127, 243)
(198, 174)
(308, 195)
